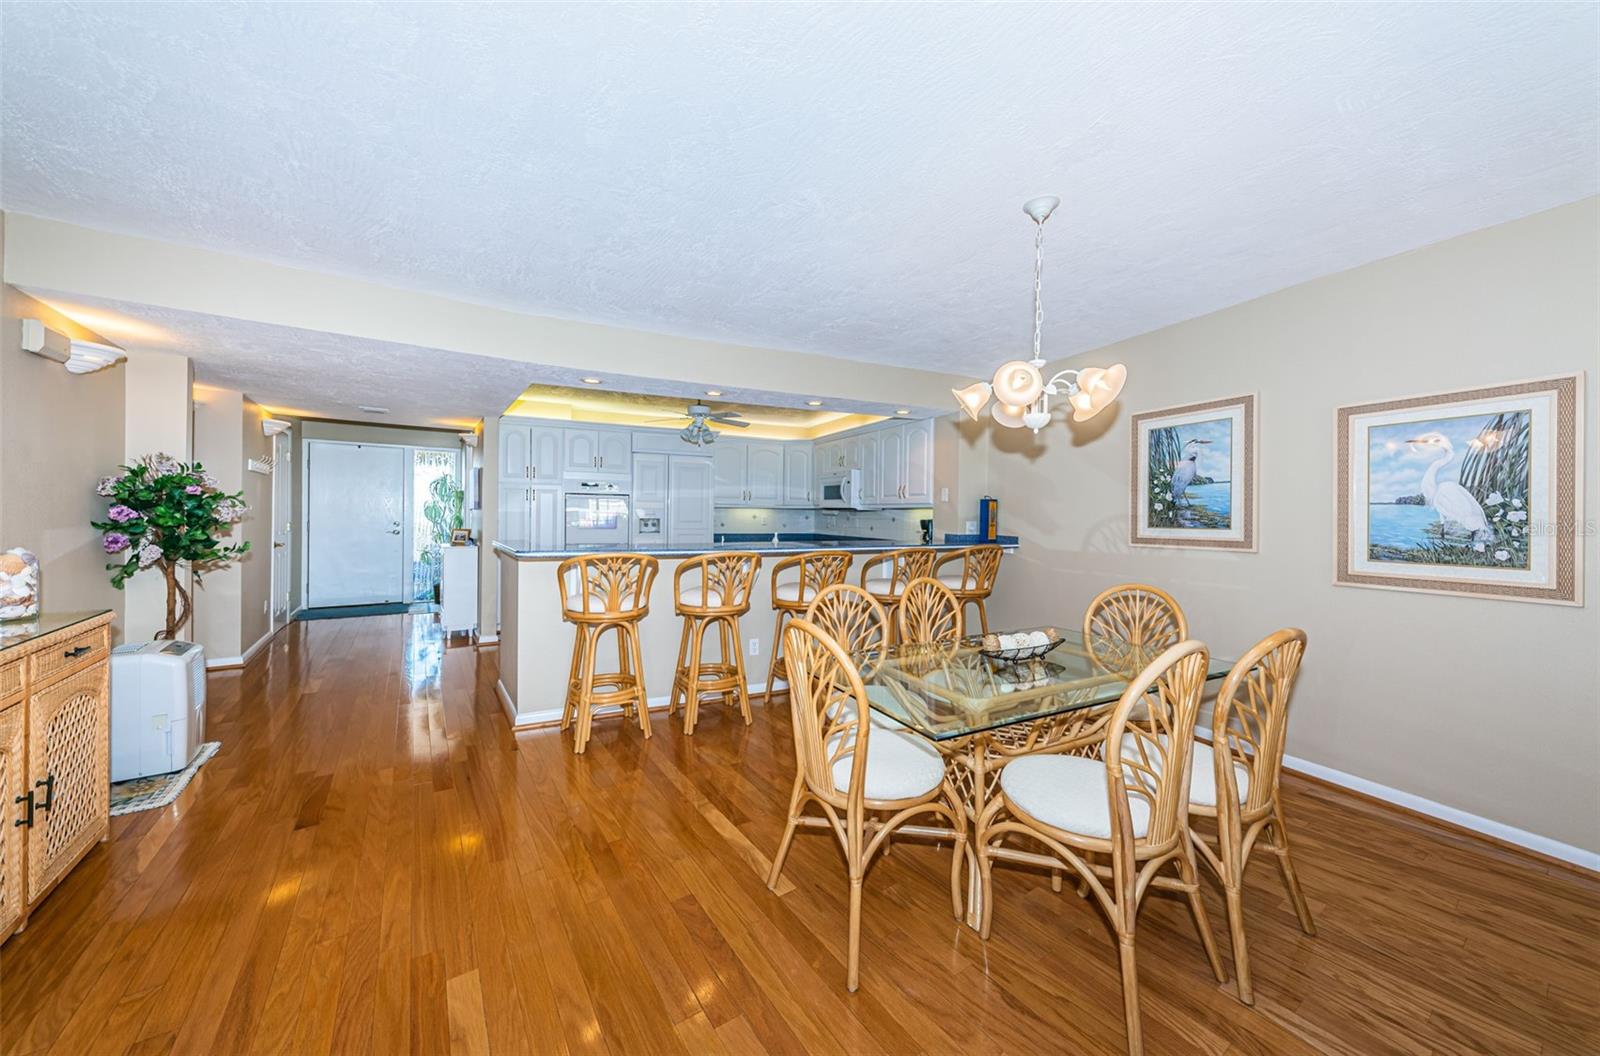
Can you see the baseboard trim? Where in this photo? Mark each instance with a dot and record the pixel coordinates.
(540, 720)
(1498, 832)
(226, 663)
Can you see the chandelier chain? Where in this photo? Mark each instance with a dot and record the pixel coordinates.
(1038, 293)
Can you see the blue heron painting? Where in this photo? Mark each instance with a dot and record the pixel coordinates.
(1190, 470)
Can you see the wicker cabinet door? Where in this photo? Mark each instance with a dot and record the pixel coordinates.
(69, 769)
(13, 781)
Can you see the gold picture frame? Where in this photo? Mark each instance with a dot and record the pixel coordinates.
(1179, 457)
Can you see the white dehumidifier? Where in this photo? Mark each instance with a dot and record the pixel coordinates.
(158, 707)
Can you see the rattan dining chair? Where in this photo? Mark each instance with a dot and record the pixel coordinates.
(929, 613)
(867, 782)
(1236, 780)
(1127, 626)
(1131, 806)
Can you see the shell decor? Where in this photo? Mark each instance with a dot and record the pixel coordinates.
(19, 585)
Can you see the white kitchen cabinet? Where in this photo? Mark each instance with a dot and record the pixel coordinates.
(597, 454)
(797, 484)
(891, 465)
(763, 472)
(529, 451)
(691, 517)
(917, 487)
(728, 458)
(530, 517)
(870, 475)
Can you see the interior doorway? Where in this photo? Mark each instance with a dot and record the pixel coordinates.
(282, 528)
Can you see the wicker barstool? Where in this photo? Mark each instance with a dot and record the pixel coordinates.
(970, 574)
(712, 591)
(885, 576)
(600, 593)
(791, 594)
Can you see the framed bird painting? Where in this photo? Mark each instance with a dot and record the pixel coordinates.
(1193, 476)
(1474, 492)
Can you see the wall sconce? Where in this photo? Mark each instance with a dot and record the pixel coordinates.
(79, 357)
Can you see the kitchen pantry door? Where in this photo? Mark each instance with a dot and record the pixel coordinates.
(355, 523)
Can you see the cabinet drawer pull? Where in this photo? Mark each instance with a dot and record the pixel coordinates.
(49, 784)
(27, 818)
(73, 654)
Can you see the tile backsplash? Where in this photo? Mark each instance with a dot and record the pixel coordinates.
(899, 526)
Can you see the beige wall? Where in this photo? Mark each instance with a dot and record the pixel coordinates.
(59, 433)
(157, 419)
(230, 606)
(1488, 707)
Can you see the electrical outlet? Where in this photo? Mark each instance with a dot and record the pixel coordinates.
(944, 494)
(755, 647)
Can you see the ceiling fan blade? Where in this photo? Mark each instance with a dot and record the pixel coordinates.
(725, 416)
(675, 418)
(731, 421)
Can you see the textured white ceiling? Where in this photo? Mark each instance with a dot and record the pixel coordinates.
(834, 178)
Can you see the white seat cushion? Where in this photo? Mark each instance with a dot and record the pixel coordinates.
(1202, 772)
(1068, 792)
(899, 766)
(882, 588)
(597, 602)
(699, 597)
(955, 581)
(791, 592)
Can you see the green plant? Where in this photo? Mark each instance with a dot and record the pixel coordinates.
(164, 512)
(443, 512)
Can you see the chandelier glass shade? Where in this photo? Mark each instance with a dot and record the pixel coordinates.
(1020, 389)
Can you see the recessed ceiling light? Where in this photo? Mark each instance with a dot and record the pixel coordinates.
(903, 410)
(372, 410)
(813, 403)
(591, 381)
(713, 392)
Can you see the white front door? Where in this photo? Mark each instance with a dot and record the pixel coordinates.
(282, 528)
(355, 523)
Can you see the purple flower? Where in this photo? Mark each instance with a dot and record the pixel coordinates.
(107, 486)
(194, 489)
(116, 542)
(149, 554)
(123, 514)
(230, 511)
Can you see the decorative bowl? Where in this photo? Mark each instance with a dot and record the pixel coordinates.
(995, 648)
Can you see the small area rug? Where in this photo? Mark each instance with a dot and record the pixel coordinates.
(344, 612)
(157, 790)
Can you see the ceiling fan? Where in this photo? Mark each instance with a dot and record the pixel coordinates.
(698, 432)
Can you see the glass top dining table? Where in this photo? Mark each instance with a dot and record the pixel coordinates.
(950, 691)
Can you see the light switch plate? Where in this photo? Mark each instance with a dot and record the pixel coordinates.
(972, 527)
(944, 494)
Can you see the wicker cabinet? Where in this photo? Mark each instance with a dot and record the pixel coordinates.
(55, 790)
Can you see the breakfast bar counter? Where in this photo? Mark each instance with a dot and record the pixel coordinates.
(536, 644)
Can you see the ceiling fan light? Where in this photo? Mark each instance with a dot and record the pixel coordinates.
(972, 398)
(1018, 383)
(1008, 416)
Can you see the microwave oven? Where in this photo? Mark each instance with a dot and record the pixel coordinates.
(841, 490)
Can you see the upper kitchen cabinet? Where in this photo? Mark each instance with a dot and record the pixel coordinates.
(529, 451)
(749, 472)
(917, 487)
(891, 465)
(598, 454)
(798, 489)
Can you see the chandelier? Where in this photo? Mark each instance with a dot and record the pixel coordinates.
(1020, 390)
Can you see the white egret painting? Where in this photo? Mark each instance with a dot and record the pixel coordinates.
(1450, 491)
(1471, 492)
(1193, 475)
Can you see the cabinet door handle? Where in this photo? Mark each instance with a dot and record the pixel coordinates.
(49, 784)
(73, 654)
(27, 818)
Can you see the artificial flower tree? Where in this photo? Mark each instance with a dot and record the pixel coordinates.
(164, 513)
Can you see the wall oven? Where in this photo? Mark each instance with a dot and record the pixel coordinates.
(595, 518)
(841, 490)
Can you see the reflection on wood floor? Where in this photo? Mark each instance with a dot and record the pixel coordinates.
(375, 863)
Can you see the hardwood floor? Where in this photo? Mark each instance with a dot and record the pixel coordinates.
(375, 863)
